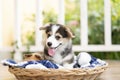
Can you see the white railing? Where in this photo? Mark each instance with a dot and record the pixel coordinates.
(0, 23)
(108, 46)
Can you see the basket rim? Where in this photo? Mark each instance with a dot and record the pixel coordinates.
(54, 72)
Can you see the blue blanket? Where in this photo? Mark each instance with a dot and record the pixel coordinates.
(23, 64)
(83, 60)
(94, 62)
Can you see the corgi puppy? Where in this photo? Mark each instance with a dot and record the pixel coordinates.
(58, 44)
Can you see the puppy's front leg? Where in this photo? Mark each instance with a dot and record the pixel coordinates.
(68, 66)
(68, 61)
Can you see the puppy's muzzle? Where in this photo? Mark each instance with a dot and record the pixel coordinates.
(49, 44)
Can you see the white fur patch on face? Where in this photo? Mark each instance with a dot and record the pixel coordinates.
(52, 38)
(54, 29)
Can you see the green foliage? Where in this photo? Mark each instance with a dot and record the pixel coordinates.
(72, 18)
(49, 17)
(115, 21)
(28, 31)
(95, 24)
(106, 55)
(116, 35)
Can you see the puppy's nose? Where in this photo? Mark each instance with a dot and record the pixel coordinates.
(49, 44)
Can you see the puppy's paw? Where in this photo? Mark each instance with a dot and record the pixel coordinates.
(68, 66)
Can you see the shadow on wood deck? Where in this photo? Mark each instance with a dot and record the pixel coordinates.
(112, 73)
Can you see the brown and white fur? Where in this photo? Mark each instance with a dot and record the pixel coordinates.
(34, 56)
(58, 44)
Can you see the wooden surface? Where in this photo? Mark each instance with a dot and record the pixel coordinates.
(112, 73)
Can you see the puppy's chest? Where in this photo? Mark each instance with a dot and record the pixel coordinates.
(57, 58)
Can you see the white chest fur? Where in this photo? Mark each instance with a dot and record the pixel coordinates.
(57, 58)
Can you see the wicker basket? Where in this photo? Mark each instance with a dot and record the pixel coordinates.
(58, 74)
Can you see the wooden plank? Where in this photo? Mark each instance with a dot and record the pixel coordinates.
(18, 19)
(113, 72)
(17, 30)
(84, 22)
(78, 48)
(107, 22)
(61, 12)
(5, 74)
(6, 49)
(39, 23)
(97, 48)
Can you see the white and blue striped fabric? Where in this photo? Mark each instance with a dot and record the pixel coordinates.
(83, 60)
(23, 64)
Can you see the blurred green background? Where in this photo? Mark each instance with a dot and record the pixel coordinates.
(95, 24)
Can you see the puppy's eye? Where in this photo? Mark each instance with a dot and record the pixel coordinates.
(48, 35)
(57, 37)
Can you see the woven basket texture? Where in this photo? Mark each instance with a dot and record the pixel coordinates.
(58, 74)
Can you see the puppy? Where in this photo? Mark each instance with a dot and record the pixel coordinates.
(58, 44)
(33, 56)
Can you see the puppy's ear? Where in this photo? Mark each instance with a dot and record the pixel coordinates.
(27, 55)
(45, 26)
(38, 57)
(70, 33)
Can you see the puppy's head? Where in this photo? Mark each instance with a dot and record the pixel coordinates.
(33, 56)
(57, 35)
